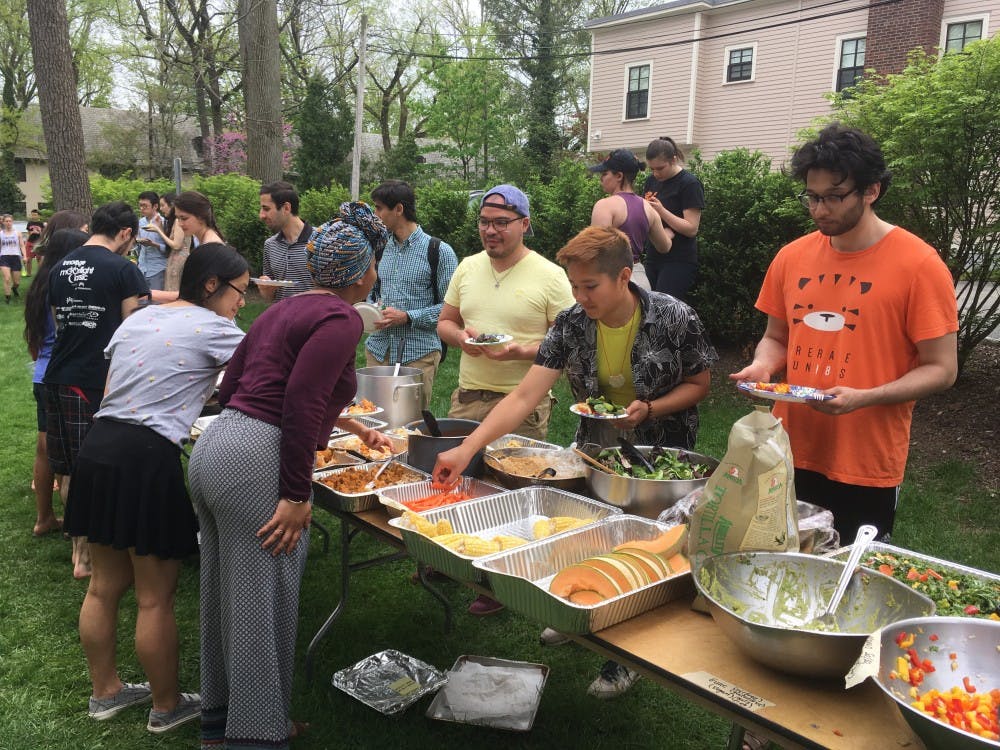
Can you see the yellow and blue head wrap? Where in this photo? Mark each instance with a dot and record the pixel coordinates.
(340, 251)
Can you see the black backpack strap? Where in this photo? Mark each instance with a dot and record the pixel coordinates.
(433, 256)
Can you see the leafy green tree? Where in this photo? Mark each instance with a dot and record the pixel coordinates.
(11, 197)
(938, 124)
(325, 126)
(751, 212)
(404, 162)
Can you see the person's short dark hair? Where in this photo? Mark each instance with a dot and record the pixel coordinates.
(108, 220)
(847, 152)
(393, 192)
(282, 192)
(151, 196)
(211, 260)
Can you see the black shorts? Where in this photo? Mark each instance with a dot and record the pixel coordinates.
(852, 505)
(69, 415)
(13, 262)
(38, 391)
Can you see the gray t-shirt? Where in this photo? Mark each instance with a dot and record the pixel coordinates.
(164, 364)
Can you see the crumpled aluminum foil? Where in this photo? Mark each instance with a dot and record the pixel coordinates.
(389, 681)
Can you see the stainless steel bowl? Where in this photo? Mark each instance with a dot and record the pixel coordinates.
(645, 497)
(569, 468)
(976, 643)
(766, 601)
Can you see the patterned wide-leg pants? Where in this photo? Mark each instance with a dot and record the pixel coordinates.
(249, 597)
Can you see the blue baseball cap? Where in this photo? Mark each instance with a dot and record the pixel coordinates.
(511, 199)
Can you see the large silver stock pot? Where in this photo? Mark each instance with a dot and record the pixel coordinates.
(402, 395)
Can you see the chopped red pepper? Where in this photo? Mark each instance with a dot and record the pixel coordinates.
(933, 637)
(838, 733)
(912, 574)
(927, 665)
(972, 609)
(914, 657)
(900, 637)
(967, 684)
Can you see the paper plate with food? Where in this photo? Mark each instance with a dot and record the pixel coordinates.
(599, 408)
(798, 394)
(489, 339)
(273, 282)
(362, 408)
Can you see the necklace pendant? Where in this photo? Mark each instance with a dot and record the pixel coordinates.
(496, 284)
(616, 381)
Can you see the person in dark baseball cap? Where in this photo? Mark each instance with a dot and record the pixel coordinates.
(620, 160)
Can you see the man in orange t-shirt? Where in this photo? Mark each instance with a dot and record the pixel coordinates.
(864, 311)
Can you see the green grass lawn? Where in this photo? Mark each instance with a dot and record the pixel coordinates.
(945, 511)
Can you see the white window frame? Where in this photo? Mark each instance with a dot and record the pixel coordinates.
(753, 64)
(838, 51)
(945, 23)
(649, 92)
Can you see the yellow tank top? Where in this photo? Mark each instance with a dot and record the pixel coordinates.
(614, 360)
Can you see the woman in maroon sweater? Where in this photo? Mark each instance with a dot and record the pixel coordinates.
(250, 475)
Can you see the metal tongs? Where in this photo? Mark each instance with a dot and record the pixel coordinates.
(385, 465)
(630, 454)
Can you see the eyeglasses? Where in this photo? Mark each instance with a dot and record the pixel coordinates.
(241, 292)
(498, 224)
(811, 200)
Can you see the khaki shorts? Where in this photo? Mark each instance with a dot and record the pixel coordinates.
(428, 365)
(535, 426)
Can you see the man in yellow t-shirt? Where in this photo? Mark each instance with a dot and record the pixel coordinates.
(505, 289)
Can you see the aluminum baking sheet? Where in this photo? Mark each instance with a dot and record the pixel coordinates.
(512, 512)
(389, 681)
(520, 441)
(488, 692)
(933, 562)
(520, 577)
(474, 488)
(353, 502)
(346, 459)
(375, 424)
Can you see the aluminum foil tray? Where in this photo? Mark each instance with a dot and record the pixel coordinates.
(520, 577)
(934, 562)
(488, 692)
(391, 496)
(375, 424)
(512, 512)
(519, 441)
(351, 502)
(345, 459)
(389, 681)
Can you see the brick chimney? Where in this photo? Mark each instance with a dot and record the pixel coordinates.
(896, 28)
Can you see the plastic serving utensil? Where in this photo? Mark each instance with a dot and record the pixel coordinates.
(431, 423)
(865, 534)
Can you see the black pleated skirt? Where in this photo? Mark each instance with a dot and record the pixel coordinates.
(127, 490)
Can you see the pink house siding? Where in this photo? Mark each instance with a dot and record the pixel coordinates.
(795, 66)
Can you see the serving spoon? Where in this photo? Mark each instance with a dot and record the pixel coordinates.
(864, 536)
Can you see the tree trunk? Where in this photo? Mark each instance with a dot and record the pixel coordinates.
(261, 57)
(57, 102)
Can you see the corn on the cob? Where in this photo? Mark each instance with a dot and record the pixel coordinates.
(475, 546)
(508, 542)
(548, 526)
(443, 527)
(421, 524)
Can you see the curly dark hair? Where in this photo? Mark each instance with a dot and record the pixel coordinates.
(847, 152)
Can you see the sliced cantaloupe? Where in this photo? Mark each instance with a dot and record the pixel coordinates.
(580, 577)
(679, 563)
(655, 566)
(586, 597)
(627, 574)
(666, 545)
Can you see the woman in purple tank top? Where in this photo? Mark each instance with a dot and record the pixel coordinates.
(625, 210)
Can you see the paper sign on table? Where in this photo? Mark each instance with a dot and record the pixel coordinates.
(867, 664)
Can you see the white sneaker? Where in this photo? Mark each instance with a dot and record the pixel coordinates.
(614, 680)
(550, 637)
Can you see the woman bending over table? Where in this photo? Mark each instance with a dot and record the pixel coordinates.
(251, 479)
(128, 496)
(646, 350)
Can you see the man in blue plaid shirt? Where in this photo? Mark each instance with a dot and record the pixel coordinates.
(411, 303)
